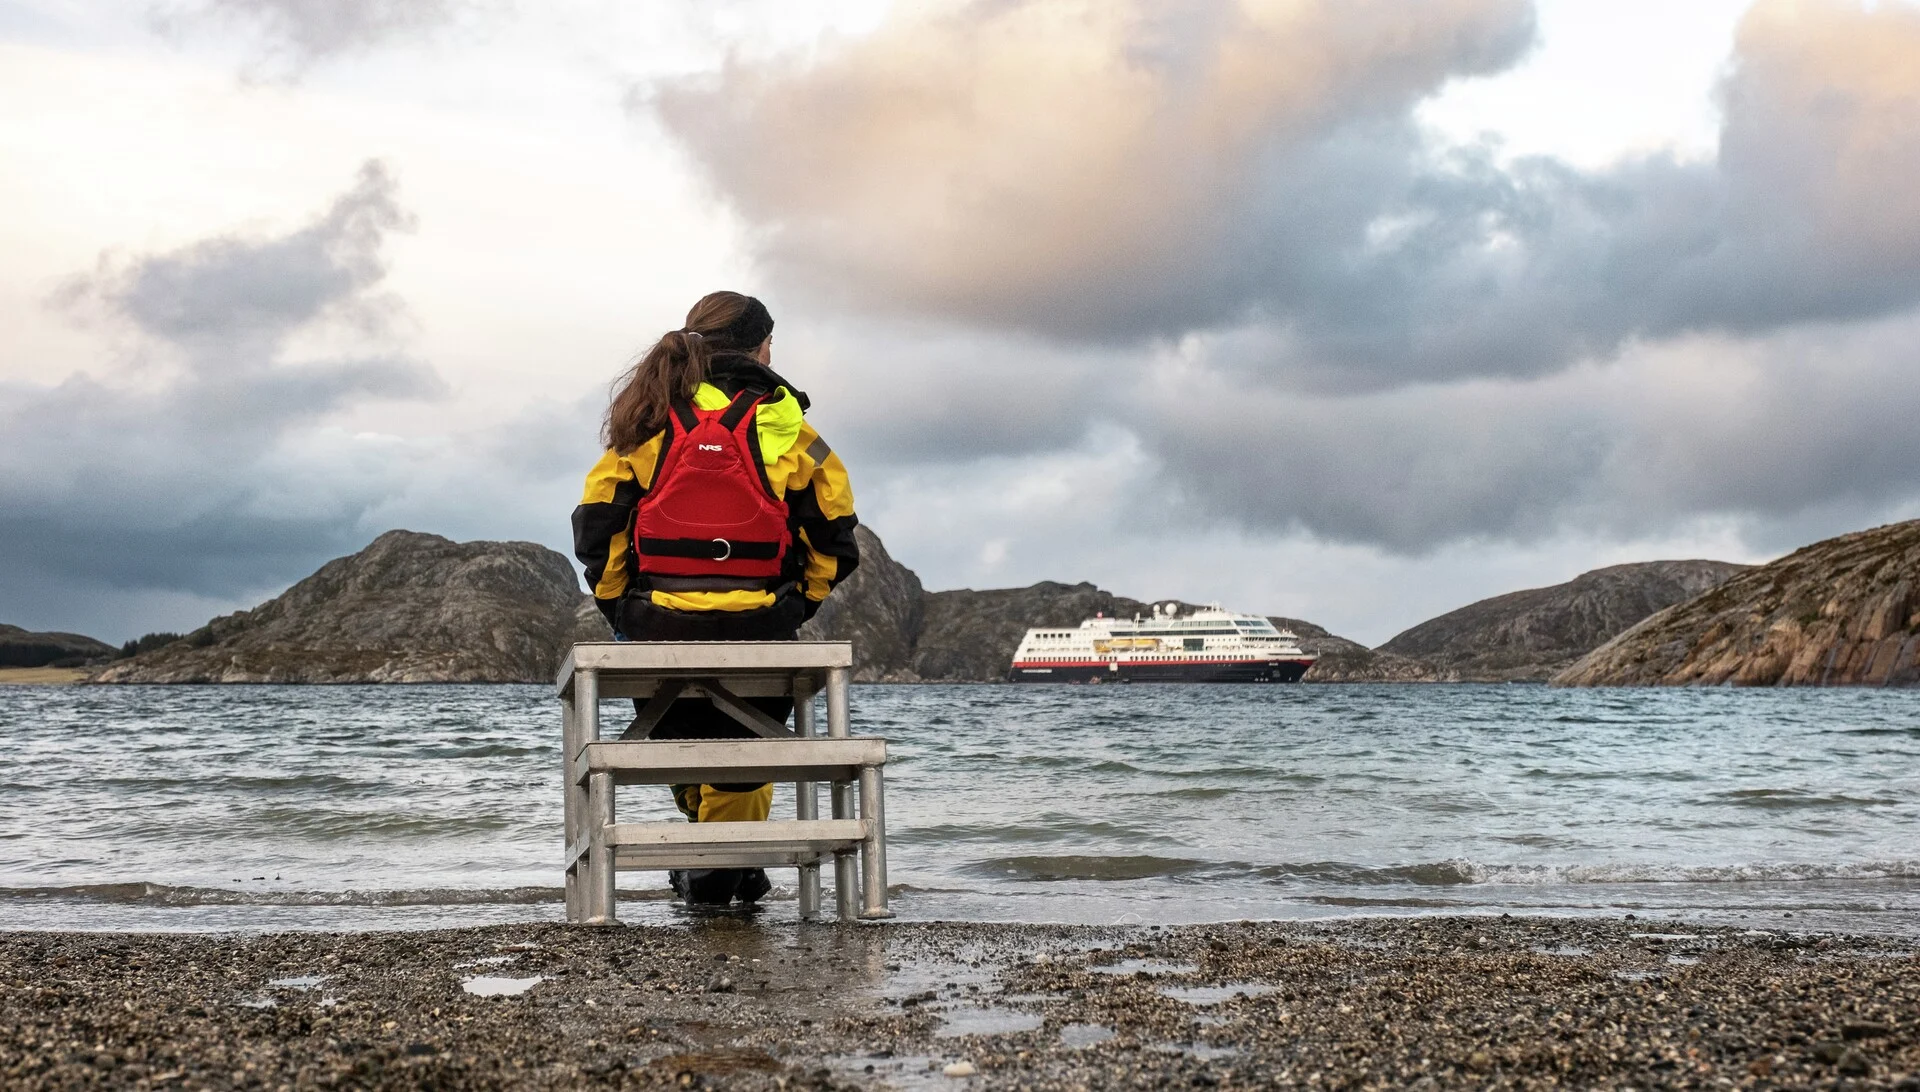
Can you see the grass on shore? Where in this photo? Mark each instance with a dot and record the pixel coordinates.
(41, 676)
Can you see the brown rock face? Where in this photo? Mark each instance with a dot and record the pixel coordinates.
(1529, 635)
(1844, 612)
(879, 608)
(409, 608)
(1345, 661)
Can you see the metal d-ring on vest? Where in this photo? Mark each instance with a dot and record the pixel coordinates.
(726, 549)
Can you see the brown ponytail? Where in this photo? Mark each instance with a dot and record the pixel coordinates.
(676, 366)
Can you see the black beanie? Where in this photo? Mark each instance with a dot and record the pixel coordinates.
(744, 334)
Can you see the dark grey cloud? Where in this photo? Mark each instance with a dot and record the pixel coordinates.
(1260, 162)
(199, 465)
(1791, 437)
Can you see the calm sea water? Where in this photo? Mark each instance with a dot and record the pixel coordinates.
(380, 807)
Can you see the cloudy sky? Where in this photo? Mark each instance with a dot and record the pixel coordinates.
(1353, 310)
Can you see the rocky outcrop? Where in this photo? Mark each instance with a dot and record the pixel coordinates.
(22, 648)
(880, 608)
(1844, 612)
(970, 636)
(1529, 635)
(409, 608)
(1345, 661)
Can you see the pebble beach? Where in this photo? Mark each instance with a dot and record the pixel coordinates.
(734, 1002)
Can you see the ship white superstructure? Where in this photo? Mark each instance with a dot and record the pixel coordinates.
(1206, 645)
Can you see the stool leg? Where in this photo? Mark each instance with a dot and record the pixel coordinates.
(806, 802)
(570, 796)
(844, 881)
(599, 811)
(600, 904)
(873, 851)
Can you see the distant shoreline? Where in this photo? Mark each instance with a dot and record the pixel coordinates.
(41, 676)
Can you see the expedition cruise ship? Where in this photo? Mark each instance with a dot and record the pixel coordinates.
(1209, 645)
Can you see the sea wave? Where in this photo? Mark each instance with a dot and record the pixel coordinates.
(1077, 867)
(1452, 873)
(1448, 873)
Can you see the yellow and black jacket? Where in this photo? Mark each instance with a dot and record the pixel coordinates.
(801, 470)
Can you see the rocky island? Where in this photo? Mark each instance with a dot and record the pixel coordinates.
(1843, 612)
(410, 607)
(1529, 635)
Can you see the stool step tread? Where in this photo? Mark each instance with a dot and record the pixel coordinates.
(761, 858)
(780, 838)
(820, 833)
(671, 762)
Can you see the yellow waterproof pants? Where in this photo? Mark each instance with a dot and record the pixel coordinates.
(707, 804)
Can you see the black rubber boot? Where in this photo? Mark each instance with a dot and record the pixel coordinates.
(754, 885)
(705, 886)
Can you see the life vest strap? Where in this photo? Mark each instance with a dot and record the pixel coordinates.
(741, 405)
(716, 584)
(710, 549)
(683, 409)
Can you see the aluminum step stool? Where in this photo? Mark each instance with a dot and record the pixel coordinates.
(724, 672)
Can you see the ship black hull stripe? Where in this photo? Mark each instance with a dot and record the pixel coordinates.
(1284, 671)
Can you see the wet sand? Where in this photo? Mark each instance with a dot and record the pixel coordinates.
(726, 1002)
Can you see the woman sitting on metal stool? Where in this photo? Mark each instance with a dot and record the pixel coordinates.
(716, 514)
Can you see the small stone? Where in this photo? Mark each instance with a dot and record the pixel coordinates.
(1853, 1064)
(1855, 1032)
(1829, 1053)
(959, 1069)
(1480, 1060)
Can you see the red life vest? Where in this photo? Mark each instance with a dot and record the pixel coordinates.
(710, 521)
